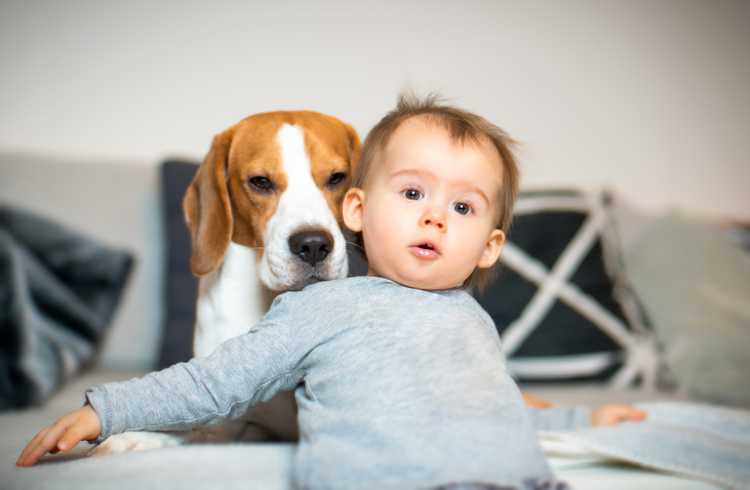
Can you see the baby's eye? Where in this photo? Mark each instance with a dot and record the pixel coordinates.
(412, 194)
(462, 208)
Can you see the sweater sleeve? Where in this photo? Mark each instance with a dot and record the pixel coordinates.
(242, 372)
(557, 419)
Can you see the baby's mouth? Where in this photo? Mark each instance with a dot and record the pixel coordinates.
(426, 250)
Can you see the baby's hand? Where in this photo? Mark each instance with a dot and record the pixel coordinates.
(80, 425)
(613, 414)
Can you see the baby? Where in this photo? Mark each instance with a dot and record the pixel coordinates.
(399, 376)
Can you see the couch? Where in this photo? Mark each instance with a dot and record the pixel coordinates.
(691, 302)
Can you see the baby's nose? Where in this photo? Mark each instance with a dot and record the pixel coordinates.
(433, 218)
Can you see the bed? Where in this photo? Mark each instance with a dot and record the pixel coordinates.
(664, 318)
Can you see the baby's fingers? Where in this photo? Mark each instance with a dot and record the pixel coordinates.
(614, 414)
(629, 413)
(63, 435)
(41, 444)
(70, 440)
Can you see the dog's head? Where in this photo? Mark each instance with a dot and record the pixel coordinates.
(274, 182)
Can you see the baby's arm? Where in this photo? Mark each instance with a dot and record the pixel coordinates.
(80, 425)
(188, 395)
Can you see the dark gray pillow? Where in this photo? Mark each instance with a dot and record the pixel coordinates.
(562, 304)
(180, 285)
(58, 292)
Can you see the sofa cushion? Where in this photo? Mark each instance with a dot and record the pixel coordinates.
(695, 285)
(562, 304)
(180, 285)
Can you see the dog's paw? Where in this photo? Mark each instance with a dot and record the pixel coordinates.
(140, 441)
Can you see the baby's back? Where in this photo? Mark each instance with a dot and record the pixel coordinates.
(407, 388)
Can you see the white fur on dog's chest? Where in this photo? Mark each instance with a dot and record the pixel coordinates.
(230, 300)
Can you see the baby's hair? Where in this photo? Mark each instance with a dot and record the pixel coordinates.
(462, 126)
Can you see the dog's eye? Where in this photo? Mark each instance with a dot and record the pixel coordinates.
(336, 179)
(260, 183)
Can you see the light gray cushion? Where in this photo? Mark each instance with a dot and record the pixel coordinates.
(696, 287)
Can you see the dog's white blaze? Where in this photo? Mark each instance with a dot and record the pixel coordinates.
(229, 300)
(301, 206)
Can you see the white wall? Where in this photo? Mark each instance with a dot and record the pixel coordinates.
(651, 98)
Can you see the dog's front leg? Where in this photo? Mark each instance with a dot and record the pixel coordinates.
(230, 430)
(142, 440)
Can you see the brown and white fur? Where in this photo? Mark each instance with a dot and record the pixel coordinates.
(264, 212)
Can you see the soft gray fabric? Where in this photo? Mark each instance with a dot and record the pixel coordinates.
(696, 288)
(396, 387)
(58, 291)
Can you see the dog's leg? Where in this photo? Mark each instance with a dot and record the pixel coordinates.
(140, 441)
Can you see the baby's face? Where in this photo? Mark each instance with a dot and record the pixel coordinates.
(429, 212)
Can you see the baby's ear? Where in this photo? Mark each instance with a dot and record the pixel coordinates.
(492, 249)
(353, 209)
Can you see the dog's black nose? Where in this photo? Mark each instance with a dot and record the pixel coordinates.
(311, 246)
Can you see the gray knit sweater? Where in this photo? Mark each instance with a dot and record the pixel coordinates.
(396, 387)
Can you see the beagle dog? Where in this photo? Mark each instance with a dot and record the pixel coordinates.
(264, 213)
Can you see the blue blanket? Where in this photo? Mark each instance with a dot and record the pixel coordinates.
(706, 442)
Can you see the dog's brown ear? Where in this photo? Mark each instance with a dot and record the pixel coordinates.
(207, 208)
(355, 148)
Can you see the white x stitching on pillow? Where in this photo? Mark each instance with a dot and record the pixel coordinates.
(639, 352)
